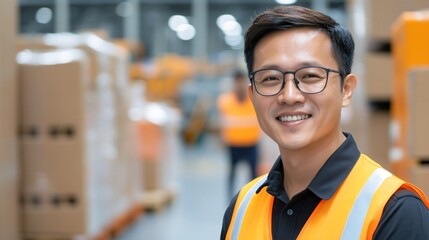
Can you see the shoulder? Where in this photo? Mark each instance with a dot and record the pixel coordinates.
(252, 186)
(227, 217)
(405, 216)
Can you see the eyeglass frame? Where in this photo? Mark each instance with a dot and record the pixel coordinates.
(295, 81)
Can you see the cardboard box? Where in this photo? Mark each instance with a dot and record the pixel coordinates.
(418, 113)
(419, 176)
(379, 76)
(9, 167)
(381, 14)
(378, 137)
(51, 97)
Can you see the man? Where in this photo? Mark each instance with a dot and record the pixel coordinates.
(321, 186)
(239, 128)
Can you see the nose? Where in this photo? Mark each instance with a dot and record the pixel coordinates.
(290, 94)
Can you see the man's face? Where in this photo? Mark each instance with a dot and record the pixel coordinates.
(318, 114)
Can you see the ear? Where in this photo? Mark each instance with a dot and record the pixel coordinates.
(349, 86)
(250, 91)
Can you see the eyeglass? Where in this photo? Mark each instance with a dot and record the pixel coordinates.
(310, 80)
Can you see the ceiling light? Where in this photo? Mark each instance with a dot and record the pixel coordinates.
(220, 21)
(285, 1)
(176, 20)
(44, 15)
(186, 31)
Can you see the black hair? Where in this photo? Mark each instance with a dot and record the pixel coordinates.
(287, 17)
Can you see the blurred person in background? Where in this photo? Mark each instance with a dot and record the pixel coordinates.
(321, 186)
(239, 128)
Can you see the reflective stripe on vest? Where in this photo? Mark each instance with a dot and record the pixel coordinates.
(243, 206)
(356, 218)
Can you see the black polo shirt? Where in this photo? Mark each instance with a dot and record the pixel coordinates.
(404, 217)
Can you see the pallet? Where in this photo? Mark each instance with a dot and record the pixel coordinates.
(154, 200)
(157, 200)
(121, 223)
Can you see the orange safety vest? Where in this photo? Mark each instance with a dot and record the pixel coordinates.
(353, 212)
(239, 125)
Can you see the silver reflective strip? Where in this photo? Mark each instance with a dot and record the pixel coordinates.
(243, 206)
(356, 218)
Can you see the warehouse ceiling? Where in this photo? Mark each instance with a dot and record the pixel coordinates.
(153, 19)
(260, 2)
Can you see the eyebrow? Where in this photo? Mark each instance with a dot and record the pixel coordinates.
(300, 65)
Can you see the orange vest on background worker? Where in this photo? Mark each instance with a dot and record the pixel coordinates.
(239, 125)
(353, 212)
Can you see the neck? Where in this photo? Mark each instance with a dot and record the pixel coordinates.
(301, 166)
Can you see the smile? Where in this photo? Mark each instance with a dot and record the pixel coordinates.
(293, 118)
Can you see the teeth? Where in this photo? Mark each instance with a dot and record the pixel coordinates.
(293, 118)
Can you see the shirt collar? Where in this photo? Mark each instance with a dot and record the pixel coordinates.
(327, 180)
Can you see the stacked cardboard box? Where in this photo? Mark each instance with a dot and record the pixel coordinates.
(374, 20)
(417, 124)
(410, 51)
(379, 76)
(418, 113)
(75, 137)
(381, 14)
(9, 214)
(372, 24)
(160, 148)
(160, 153)
(53, 141)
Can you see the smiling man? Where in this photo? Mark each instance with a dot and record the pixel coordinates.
(321, 186)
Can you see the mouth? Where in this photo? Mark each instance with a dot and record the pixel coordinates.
(293, 118)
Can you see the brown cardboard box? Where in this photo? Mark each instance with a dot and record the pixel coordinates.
(419, 113)
(51, 95)
(54, 192)
(382, 13)
(378, 137)
(54, 165)
(379, 76)
(9, 213)
(151, 151)
(419, 176)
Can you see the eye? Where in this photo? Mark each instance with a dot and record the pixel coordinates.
(271, 78)
(310, 75)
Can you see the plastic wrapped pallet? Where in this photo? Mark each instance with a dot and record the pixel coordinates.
(159, 149)
(69, 147)
(56, 166)
(110, 153)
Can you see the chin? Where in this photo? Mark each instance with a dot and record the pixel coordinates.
(292, 142)
(292, 146)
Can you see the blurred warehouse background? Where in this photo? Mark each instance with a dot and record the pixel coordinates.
(108, 120)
